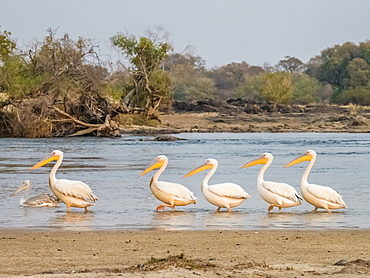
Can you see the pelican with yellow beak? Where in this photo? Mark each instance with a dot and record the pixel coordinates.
(171, 194)
(41, 200)
(223, 195)
(277, 194)
(72, 193)
(317, 195)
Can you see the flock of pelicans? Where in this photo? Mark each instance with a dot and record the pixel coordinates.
(224, 195)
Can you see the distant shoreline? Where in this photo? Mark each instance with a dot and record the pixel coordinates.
(215, 122)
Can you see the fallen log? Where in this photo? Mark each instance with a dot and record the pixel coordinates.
(74, 119)
(107, 129)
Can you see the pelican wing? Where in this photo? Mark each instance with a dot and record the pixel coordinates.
(175, 189)
(282, 189)
(42, 199)
(325, 193)
(76, 189)
(228, 190)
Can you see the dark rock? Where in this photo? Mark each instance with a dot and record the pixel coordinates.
(167, 138)
(341, 262)
(361, 262)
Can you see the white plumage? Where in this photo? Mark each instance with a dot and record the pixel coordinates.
(326, 193)
(41, 200)
(317, 195)
(72, 193)
(277, 194)
(177, 190)
(171, 194)
(223, 195)
(75, 189)
(228, 190)
(283, 190)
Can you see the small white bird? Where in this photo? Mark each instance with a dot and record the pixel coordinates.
(41, 200)
(171, 194)
(223, 195)
(277, 194)
(317, 195)
(72, 193)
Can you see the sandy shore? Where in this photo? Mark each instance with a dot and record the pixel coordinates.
(262, 253)
(217, 122)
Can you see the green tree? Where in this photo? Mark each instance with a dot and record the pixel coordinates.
(252, 87)
(198, 88)
(7, 45)
(277, 88)
(357, 95)
(227, 78)
(291, 65)
(306, 90)
(57, 73)
(345, 67)
(150, 83)
(365, 51)
(358, 71)
(187, 73)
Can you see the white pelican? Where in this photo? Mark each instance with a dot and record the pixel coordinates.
(317, 195)
(223, 195)
(72, 193)
(277, 194)
(41, 200)
(171, 194)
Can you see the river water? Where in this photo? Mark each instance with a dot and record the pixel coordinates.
(111, 167)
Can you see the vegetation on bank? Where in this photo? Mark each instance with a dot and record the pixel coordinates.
(60, 86)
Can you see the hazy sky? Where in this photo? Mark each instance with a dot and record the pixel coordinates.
(222, 31)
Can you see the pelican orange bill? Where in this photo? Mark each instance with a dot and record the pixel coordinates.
(255, 162)
(152, 167)
(201, 168)
(46, 161)
(300, 159)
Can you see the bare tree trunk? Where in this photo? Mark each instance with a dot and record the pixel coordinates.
(107, 129)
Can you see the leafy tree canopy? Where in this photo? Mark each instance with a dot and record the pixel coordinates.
(291, 64)
(7, 45)
(150, 84)
(277, 88)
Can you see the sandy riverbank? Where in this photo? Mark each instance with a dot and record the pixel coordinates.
(273, 122)
(262, 253)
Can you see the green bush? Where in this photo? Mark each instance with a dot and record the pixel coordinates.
(358, 95)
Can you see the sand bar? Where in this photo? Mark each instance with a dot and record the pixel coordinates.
(156, 253)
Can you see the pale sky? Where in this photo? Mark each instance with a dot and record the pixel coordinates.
(221, 31)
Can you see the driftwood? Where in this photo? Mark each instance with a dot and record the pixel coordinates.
(107, 129)
(73, 119)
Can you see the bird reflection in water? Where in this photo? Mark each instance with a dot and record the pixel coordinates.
(174, 220)
(75, 220)
(281, 220)
(323, 220)
(224, 221)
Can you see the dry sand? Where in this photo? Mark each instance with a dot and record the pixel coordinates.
(274, 122)
(156, 253)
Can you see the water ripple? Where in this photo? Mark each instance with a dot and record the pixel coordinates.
(111, 168)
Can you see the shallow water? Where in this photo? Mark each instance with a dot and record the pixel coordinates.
(111, 167)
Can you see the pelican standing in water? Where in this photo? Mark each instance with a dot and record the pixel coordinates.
(317, 195)
(171, 194)
(277, 194)
(72, 193)
(41, 200)
(223, 195)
